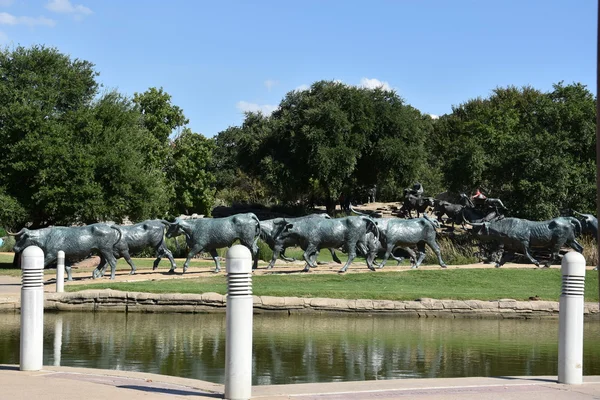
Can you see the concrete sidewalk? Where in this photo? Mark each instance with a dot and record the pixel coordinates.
(65, 383)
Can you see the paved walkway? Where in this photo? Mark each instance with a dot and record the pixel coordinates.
(65, 383)
(10, 284)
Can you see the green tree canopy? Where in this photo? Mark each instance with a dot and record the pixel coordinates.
(330, 139)
(193, 182)
(535, 150)
(68, 155)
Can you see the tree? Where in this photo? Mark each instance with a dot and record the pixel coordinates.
(193, 182)
(240, 171)
(535, 150)
(39, 89)
(160, 117)
(68, 158)
(335, 137)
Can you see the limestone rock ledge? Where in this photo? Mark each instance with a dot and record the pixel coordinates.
(113, 300)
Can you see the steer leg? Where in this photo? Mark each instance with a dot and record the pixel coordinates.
(421, 249)
(506, 256)
(334, 256)
(193, 251)
(215, 256)
(253, 246)
(309, 255)
(411, 254)
(286, 258)
(100, 269)
(436, 249)
(163, 251)
(369, 255)
(528, 255)
(112, 261)
(351, 256)
(575, 245)
(313, 259)
(68, 269)
(388, 251)
(553, 256)
(129, 261)
(278, 251)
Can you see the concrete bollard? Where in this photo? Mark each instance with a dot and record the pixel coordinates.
(238, 335)
(570, 319)
(60, 272)
(58, 328)
(32, 309)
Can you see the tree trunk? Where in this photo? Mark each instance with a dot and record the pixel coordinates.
(330, 206)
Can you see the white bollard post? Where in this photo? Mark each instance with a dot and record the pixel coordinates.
(238, 335)
(58, 328)
(570, 324)
(32, 309)
(60, 272)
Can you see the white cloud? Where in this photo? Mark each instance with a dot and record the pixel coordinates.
(433, 116)
(65, 7)
(269, 83)
(302, 88)
(374, 84)
(265, 109)
(9, 19)
(6, 3)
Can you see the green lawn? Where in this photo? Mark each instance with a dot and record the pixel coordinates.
(469, 283)
(481, 284)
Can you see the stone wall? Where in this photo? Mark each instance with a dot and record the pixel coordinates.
(112, 300)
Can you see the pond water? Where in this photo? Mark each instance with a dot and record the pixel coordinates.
(303, 348)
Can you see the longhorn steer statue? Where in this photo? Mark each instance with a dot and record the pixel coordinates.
(377, 246)
(521, 234)
(313, 234)
(78, 243)
(453, 211)
(405, 233)
(417, 203)
(269, 233)
(589, 225)
(210, 234)
(150, 233)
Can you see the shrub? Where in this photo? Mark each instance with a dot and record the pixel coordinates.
(456, 249)
(590, 249)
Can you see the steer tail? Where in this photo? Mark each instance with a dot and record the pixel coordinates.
(433, 223)
(118, 229)
(576, 224)
(374, 228)
(257, 232)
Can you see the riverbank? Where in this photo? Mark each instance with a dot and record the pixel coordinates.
(117, 301)
(109, 300)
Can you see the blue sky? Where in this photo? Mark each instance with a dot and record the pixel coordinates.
(219, 58)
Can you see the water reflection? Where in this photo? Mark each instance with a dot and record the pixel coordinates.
(303, 348)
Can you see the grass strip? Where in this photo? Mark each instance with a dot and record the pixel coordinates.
(459, 284)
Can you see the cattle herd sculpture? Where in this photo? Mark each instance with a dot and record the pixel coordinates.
(355, 235)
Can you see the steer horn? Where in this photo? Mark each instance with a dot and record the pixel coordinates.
(18, 233)
(472, 223)
(578, 213)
